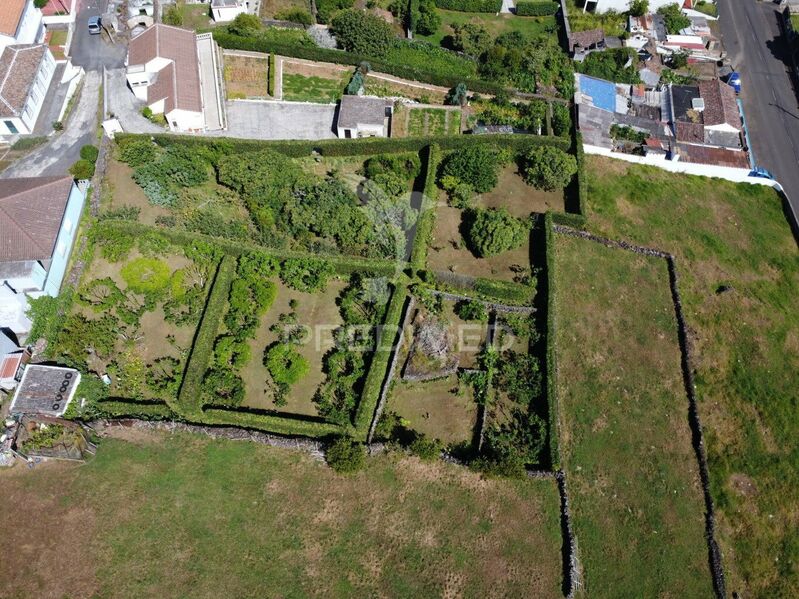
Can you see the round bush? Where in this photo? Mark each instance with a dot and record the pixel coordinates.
(362, 33)
(82, 169)
(476, 165)
(90, 153)
(285, 364)
(345, 455)
(548, 168)
(491, 232)
(146, 275)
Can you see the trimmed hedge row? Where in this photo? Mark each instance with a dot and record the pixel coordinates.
(380, 361)
(136, 409)
(356, 147)
(505, 292)
(270, 82)
(235, 42)
(569, 220)
(536, 8)
(487, 6)
(582, 181)
(190, 394)
(279, 425)
(427, 218)
(551, 357)
(343, 265)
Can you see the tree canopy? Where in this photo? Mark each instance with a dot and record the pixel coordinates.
(548, 168)
(493, 231)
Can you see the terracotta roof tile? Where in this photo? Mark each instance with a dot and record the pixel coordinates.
(19, 65)
(720, 105)
(31, 211)
(179, 46)
(716, 156)
(586, 39)
(10, 15)
(690, 132)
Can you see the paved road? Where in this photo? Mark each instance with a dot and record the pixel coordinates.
(757, 48)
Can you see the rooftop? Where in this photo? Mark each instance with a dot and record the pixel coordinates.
(361, 110)
(721, 106)
(10, 15)
(19, 65)
(598, 92)
(45, 390)
(31, 211)
(179, 85)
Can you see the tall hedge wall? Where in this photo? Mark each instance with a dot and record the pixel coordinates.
(404, 71)
(536, 8)
(189, 397)
(488, 6)
(427, 218)
(279, 425)
(551, 353)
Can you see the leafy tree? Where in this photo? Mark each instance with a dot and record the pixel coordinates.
(427, 21)
(614, 64)
(457, 96)
(222, 386)
(675, 19)
(146, 275)
(245, 25)
(173, 16)
(493, 231)
(477, 165)
(407, 166)
(520, 377)
(305, 274)
(678, 60)
(549, 168)
(345, 455)
(230, 352)
(101, 294)
(471, 38)
(82, 169)
(471, 310)
(327, 8)
(638, 8)
(362, 32)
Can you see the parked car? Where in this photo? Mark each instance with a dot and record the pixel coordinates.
(95, 25)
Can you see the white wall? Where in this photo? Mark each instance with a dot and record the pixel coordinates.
(228, 13)
(33, 105)
(30, 29)
(185, 120)
(622, 5)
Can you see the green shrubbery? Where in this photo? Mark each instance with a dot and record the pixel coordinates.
(362, 33)
(345, 455)
(295, 15)
(548, 168)
(471, 310)
(325, 9)
(493, 231)
(285, 364)
(536, 8)
(487, 6)
(612, 64)
(476, 165)
(82, 169)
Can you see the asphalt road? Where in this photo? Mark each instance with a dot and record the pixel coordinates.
(92, 52)
(757, 47)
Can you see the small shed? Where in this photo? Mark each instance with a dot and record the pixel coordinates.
(361, 116)
(45, 390)
(227, 10)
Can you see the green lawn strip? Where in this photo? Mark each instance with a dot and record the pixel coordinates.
(634, 488)
(189, 402)
(746, 350)
(380, 361)
(301, 88)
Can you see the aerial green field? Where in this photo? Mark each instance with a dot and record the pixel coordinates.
(183, 516)
(739, 280)
(634, 483)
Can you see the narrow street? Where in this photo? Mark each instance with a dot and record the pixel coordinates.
(757, 48)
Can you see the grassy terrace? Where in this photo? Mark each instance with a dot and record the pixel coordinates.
(495, 24)
(633, 478)
(745, 347)
(183, 516)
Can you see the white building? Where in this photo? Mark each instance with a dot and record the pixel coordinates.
(25, 75)
(624, 5)
(20, 23)
(164, 72)
(359, 116)
(227, 10)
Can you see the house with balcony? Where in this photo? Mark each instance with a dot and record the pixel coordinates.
(39, 219)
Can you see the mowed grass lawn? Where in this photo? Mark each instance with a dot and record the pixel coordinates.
(494, 24)
(745, 348)
(184, 516)
(634, 486)
(299, 88)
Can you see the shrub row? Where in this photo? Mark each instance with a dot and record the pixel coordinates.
(270, 82)
(551, 354)
(504, 292)
(189, 396)
(427, 218)
(279, 425)
(398, 69)
(380, 361)
(493, 6)
(581, 180)
(343, 265)
(144, 410)
(358, 147)
(536, 8)
(568, 219)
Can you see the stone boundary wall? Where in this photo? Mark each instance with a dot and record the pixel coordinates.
(697, 438)
(454, 297)
(571, 565)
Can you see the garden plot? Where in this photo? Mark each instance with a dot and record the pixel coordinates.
(136, 312)
(419, 122)
(634, 485)
(245, 76)
(319, 315)
(519, 198)
(313, 82)
(270, 9)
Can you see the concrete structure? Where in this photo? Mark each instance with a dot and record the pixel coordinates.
(25, 75)
(361, 116)
(39, 218)
(624, 5)
(166, 71)
(46, 390)
(227, 10)
(20, 23)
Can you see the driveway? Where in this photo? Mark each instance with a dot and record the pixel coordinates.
(125, 106)
(278, 120)
(92, 52)
(55, 157)
(758, 49)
